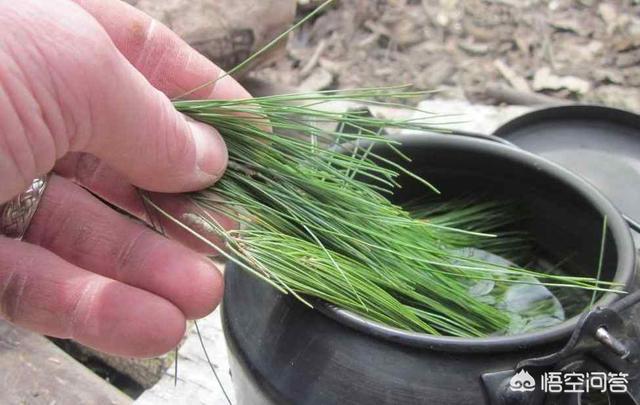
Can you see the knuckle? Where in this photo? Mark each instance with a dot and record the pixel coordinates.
(79, 238)
(175, 148)
(52, 219)
(56, 224)
(82, 308)
(139, 32)
(128, 258)
(152, 46)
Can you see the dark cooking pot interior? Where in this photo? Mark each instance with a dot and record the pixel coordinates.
(563, 214)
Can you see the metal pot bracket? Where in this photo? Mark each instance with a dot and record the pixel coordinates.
(604, 345)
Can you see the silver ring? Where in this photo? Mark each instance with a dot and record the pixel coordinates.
(16, 214)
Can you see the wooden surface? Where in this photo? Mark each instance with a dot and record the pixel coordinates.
(35, 371)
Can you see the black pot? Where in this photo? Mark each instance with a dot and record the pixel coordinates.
(282, 352)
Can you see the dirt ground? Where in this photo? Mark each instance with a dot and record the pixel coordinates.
(488, 51)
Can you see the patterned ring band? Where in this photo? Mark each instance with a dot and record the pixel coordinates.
(16, 215)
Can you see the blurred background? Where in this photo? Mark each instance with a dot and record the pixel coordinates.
(485, 51)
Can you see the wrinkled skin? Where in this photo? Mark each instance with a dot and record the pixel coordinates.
(85, 90)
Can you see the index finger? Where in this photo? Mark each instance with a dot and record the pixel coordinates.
(167, 61)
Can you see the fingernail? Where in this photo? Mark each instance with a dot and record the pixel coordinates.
(211, 151)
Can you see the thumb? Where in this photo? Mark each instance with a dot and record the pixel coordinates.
(137, 131)
(64, 86)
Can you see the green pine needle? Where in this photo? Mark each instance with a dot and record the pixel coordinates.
(308, 190)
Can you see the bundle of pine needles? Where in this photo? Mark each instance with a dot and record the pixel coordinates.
(310, 195)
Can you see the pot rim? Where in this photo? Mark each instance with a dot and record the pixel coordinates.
(617, 226)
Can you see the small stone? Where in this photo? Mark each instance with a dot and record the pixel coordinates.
(474, 48)
(609, 15)
(545, 80)
(570, 24)
(626, 42)
(633, 76)
(435, 75)
(516, 81)
(320, 79)
(608, 76)
(629, 58)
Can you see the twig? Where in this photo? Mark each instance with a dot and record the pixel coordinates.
(503, 94)
(313, 61)
(512, 77)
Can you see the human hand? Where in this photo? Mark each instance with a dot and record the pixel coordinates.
(85, 87)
